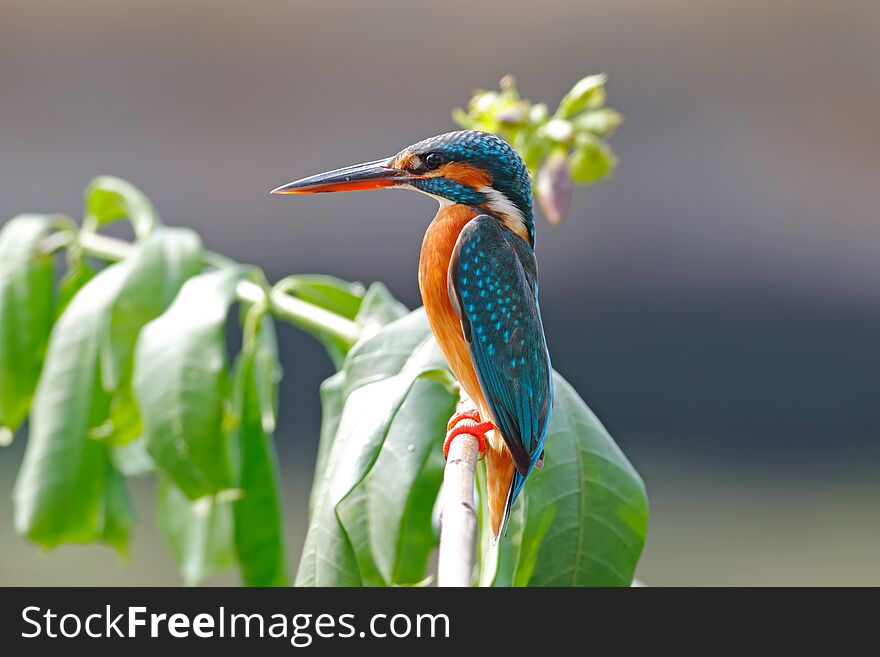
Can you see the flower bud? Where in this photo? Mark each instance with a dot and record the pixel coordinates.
(554, 187)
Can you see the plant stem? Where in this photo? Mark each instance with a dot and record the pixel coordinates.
(303, 314)
(458, 515)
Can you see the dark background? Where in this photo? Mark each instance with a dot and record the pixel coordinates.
(715, 302)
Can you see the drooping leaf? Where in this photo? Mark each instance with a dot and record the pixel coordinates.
(180, 383)
(63, 485)
(380, 373)
(26, 314)
(118, 514)
(379, 308)
(123, 423)
(387, 516)
(156, 271)
(199, 531)
(332, 400)
(60, 494)
(385, 353)
(328, 292)
(108, 199)
(79, 273)
(586, 512)
(257, 514)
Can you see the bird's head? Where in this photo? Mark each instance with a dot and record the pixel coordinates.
(467, 167)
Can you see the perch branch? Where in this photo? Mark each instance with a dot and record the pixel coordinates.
(458, 514)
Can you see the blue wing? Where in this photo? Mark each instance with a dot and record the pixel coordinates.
(493, 284)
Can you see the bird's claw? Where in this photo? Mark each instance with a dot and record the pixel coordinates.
(470, 414)
(467, 422)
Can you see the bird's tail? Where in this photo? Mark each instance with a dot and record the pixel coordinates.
(503, 484)
(516, 486)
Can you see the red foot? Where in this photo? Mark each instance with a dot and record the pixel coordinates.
(472, 414)
(467, 422)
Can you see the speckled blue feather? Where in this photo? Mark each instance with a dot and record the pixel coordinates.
(493, 277)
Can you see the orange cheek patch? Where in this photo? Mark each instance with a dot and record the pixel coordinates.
(465, 174)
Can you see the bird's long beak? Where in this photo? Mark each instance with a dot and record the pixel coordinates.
(370, 175)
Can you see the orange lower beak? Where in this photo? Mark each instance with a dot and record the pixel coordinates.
(370, 175)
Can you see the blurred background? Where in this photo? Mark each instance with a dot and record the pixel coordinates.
(716, 302)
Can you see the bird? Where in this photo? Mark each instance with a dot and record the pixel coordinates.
(478, 280)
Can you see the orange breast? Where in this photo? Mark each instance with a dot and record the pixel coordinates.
(437, 248)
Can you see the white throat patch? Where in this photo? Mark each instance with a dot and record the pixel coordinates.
(505, 210)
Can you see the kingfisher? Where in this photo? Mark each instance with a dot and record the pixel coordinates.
(478, 279)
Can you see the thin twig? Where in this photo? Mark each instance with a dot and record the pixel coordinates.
(458, 514)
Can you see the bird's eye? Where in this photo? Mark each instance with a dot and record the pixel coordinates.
(433, 160)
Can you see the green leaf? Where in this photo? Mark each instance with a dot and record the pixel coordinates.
(588, 93)
(26, 313)
(108, 199)
(156, 271)
(586, 512)
(328, 292)
(62, 487)
(66, 476)
(380, 373)
(181, 383)
(601, 122)
(385, 353)
(387, 516)
(124, 420)
(199, 532)
(592, 160)
(79, 272)
(259, 535)
(332, 401)
(533, 146)
(378, 309)
(118, 514)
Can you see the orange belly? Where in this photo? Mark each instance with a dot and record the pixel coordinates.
(437, 248)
